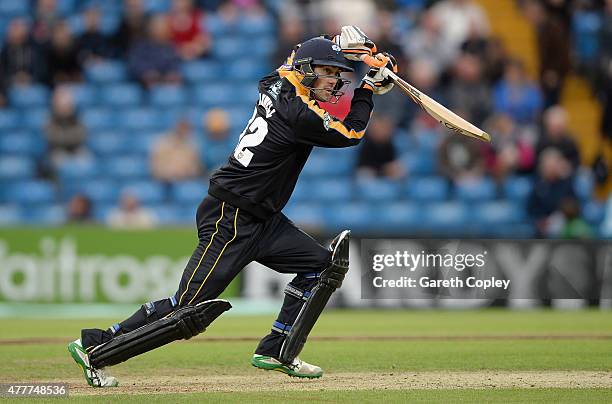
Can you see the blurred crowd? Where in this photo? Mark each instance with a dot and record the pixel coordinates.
(445, 48)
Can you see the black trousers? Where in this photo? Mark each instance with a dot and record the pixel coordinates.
(229, 239)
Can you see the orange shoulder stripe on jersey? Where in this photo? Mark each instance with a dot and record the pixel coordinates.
(302, 92)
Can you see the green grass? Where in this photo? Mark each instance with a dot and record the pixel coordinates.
(50, 361)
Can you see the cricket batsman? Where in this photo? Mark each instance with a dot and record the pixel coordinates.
(240, 220)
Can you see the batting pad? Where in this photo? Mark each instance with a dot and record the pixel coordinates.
(184, 323)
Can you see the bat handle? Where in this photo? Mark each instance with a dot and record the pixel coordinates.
(372, 61)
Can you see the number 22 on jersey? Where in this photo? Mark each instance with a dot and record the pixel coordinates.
(254, 133)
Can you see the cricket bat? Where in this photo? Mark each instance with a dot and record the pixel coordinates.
(445, 116)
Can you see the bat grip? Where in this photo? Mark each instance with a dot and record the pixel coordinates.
(380, 61)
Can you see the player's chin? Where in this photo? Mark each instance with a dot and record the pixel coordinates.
(324, 95)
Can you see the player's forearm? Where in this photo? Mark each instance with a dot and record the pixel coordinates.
(361, 109)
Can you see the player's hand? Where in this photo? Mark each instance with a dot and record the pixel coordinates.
(354, 43)
(377, 79)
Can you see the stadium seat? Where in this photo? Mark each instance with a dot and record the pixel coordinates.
(16, 168)
(34, 118)
(98, 119)
(201, 71)
(419, 163)
(323, 165)
(33, 192)
(106, 72)
(171, 214)
(517, 188)
(594, 212)
(357, 216)
(425, 189)
(229, 48)
(46, 215)
(301, 192)
(257, 26)
(27, 96)
(331, 190)
(10, 215)
(376, 189)
(127, 167)
(158, 6)
(399, 217)
(586, 26)
(445, 217)
(584, 184)
(9, 119)
(142, 143)
(262, 47)
(13, 8)
(147, 192)
(121, 95)
(167, 96)
(477, 190)
(497, 213)
(403, 142)
(78, 169)
(21, 143)
(109, 144)
(305, 214)
(213, 95)
(218, 27)
(84, 95)
(246, 70)
(100, 191)
(189, 192)
(143, 119)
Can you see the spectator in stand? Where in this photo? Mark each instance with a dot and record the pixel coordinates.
(510, 151)
(46, 16)
(573, 225)
(476, 43)
(556, 135)
(468, 91)
(174, 157)
(457, 18)
(292, 32)
(516, 96)
(350, 12)
(460, 159)
(21, 60)
(377, 154)
(130, 214)
(553, 42)
(93, 45)
(423, 75)
(79, 209)
(495, 61)
(553, 184)
(154, 60)
(218, 145)
(190, 40)
(62, 59)
(64, 131)
(132, 28)
(427, 43)
(605, 36)
(386, 37)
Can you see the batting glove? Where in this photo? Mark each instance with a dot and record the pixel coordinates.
(377, 79)
(354, 43)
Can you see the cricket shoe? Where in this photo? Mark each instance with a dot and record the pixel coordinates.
(297, 368)
(95, 377)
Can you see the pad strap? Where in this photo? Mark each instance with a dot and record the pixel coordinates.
(184, 323)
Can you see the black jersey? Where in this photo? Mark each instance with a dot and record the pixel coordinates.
(261, 173)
